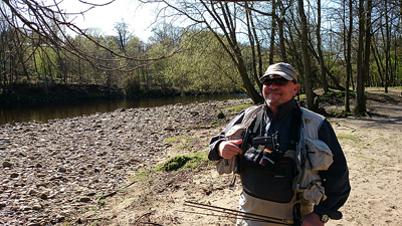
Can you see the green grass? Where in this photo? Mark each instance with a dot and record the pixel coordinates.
(141, 175)
(348, 136)
(177, 139)
(237, 108)
(186, 161)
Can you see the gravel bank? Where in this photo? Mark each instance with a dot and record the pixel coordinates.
(50, 171)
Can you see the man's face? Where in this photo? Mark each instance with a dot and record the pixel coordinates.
(277, 91)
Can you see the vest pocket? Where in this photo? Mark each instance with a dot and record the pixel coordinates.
(273, 184)
(319, 155)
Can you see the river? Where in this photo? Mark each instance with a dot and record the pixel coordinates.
(58, 111)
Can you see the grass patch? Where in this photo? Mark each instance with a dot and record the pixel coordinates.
(338, 113)
(186, 161)
(141, 175)
(182, 142)
(348, 136)
(237, 108)
(177, 139)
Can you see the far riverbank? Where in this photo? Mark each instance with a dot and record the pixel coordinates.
(29, 104)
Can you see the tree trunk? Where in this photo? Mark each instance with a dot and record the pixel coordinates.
(363, 56)
(273, 28)
(308, 86)
(320, 54)
(349, 56)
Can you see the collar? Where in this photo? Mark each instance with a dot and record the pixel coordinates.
(283, 110)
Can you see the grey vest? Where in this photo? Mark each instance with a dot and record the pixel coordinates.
(312, 155)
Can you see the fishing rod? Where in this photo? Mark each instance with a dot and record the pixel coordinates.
(230, 216)
(237, 213)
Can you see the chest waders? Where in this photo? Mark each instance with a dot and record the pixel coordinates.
(310, 156)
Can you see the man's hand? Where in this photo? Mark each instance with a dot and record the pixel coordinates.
(230, 148)
(312, 219)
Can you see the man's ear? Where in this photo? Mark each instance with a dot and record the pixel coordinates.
(296, 89)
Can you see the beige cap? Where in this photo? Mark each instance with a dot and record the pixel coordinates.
(282, 69)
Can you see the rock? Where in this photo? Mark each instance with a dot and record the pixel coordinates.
(34, 224)
(62, 170)
(14, 175)
(32, 192)
(25, 208)
(43, 196)
(220, 115)
(2, 205)
(7, 164)
(84, 199)
(37, 207)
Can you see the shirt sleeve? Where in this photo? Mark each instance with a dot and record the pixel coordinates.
(336, 178)
(216, 140)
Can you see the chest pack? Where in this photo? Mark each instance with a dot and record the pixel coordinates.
(310, 156)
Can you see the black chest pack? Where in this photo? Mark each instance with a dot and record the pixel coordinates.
(265, 150)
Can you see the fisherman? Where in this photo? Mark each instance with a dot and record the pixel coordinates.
(290, 162)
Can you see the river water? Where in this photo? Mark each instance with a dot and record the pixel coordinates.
(54, 111)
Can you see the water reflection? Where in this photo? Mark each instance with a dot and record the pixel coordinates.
(53, 111)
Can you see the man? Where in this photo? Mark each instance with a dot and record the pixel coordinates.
(289, 159)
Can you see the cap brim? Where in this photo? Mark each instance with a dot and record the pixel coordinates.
(272, 74)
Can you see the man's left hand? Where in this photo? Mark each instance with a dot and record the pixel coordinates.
(312, 219)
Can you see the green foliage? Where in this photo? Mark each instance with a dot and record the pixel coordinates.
(187, 161)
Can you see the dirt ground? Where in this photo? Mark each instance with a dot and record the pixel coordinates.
(372, 146)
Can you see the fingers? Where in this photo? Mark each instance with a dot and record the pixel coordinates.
(228, 149)
(236, 142)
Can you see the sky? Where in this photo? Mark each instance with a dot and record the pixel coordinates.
(138, 16)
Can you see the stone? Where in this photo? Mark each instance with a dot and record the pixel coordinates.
(36, 207)
(43, 196)
(7, 164)
(85, 199)
(25, 208)
(32, 192)
(62, 170)
(14, 175)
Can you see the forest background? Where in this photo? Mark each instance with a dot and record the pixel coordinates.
(201, 47)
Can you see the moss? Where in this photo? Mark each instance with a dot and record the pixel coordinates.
(187, 161)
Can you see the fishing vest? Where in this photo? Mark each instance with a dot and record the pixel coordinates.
(310, 156)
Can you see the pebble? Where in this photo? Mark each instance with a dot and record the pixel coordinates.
(84, 199)
(7, 164)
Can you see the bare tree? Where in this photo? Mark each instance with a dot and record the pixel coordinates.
(123, 35)
(220, 18)
(308, 86)
(363, 55)
(319, 49)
